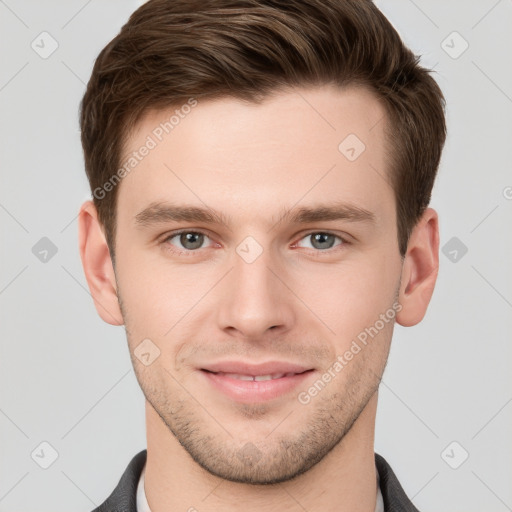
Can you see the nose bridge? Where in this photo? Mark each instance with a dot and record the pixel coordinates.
(254, 298)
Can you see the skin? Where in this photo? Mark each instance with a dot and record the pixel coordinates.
(295, 302)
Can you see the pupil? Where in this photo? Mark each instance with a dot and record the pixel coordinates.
(320, 239)
(191, 240)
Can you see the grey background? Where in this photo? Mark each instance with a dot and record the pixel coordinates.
(66, 377)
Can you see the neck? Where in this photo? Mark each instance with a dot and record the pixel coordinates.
(343, 481)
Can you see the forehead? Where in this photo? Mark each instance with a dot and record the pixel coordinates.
(298, 145)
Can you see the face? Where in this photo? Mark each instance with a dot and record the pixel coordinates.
(250, 243)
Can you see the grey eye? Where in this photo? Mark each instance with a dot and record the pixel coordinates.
(321, 240)
(190, 240)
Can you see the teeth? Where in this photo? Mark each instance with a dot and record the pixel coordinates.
(257, 378)
(265, 377)
(240, 377)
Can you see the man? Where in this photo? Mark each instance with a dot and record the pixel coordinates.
(261, 174)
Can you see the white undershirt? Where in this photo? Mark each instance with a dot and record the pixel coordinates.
(142, 502)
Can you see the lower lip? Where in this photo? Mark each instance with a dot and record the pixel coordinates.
(255, 391)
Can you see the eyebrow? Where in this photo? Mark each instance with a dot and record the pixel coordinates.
(161, 212)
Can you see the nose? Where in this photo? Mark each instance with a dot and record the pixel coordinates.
(255, 298)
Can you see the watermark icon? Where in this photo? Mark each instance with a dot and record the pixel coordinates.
(351, 147)
(151, 142)
(507, 193)
(44, 250)
(147, 352)
(454, 455)
(44, 45)
(454, 249)
(249, 454)
(249, 249)
(304, 397)
(454, 45)
(44, 455)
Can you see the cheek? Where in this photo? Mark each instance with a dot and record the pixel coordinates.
(157, 296)
(146, 295)
(351, 297)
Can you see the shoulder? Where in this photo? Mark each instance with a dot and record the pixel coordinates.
(395, 499)
(124, 496)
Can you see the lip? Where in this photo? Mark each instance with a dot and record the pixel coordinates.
(255, 391)
(267, 368)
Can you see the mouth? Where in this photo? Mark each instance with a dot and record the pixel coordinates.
(255, 377)
(251, 387)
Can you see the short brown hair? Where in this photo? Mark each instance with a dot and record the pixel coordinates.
(172, 50)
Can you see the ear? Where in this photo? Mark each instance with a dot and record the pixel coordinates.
(97, 265)
(419, 270)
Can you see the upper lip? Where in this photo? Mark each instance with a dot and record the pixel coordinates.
(269, 368)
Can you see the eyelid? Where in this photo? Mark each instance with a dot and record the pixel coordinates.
(171, 234)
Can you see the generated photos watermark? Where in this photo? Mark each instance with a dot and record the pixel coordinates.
(357, 345)
(152, 140)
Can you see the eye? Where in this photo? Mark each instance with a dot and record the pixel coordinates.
(187, 240)
(321, 240)
(184, 242)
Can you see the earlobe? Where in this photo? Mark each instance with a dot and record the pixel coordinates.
(97, 265)
(419, 271)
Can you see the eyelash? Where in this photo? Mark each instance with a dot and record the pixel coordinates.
(190, 252)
